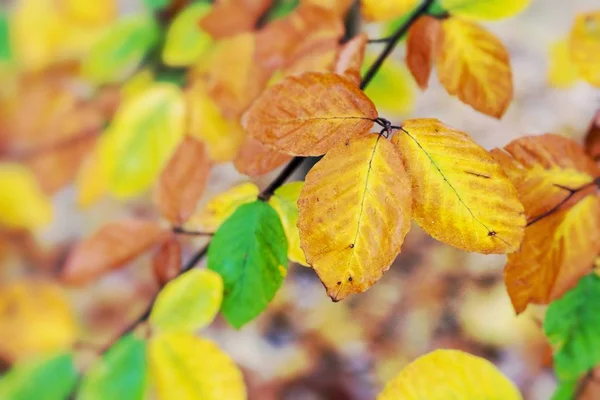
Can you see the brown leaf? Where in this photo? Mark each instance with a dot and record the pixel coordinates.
(421, 48)
(255, 159)
(183, 180)
(111, 247)
(314, 57)
(307, 115)
(166, 262)
(231, 17)
(592, 137)
(350, 58)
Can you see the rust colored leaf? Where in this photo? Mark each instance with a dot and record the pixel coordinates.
(111, 247)
(166, 262)
(307, 115)
(183, 180)
(255, 159)
(421, 48)
(592, 137)
(314, 57)
(231, 17)
(350, 58)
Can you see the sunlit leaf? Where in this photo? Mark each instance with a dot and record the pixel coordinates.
(284, 201)
(421, 48)
(461, 196)
(584, 42)
(185, 367)
(384, 10)
(484, 10)
(84, 12)
(166, 262)
(314, 111)
(350, 58)
(220, 207)
(111, 247)
(473, 65)
(450, 374)
(22, 202)
(354, 212)
(250, 252)
(50, 378)
(121, 373)
(563, 72)
(189, 302)
(255, 159)
(392, 88)
(186, 42)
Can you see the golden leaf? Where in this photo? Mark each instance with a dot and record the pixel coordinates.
(384, 10)
(563, 72)
(584, 42)
(485, 10)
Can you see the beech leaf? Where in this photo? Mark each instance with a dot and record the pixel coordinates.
(384, 10)
(186, 42)
(584, 42)
(484, 10)
(255, 159)
(350, 58)
(166, 262)
(421, 48)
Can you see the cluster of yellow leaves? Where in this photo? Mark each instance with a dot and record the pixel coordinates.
(577, 56)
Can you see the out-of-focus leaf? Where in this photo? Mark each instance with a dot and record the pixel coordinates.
(137, 83)
(354, 212)
(350, 58)
(565, 390)
(22, 202)
(186, 42)
(315, 56)
(584, 42)
(185, 367)
(166, 262)
(189, 302)
(35, 318)
(447, 374)
(50, 378)
(156, 4)
(90, 14)
(92, 179)
(315, 111)
(120, 374)
(422, 47)
(563, 72)
(249, 251)
(592, 137)
(281, 8)
(232, 17)
(5, 51)
(111, 247)
(339, 7)
(284, 201)
(120, 50)
(385, 10)
(391, 89)
(255, 159)
(484, 10)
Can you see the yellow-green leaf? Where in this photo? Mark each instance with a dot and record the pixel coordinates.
(384, 10)
(450, 374)
(284, 201)
(484, 9)
(185, 367)
(461, 195)
(392, 89)
(22, 202)
(189, 302)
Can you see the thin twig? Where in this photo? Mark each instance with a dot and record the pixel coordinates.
(181, 231)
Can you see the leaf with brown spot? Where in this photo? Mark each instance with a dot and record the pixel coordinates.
(166, 262)
(421, 48)
(350, 58)
(255, 159)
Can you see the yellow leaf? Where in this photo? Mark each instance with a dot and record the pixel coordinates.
(186, 42)
(563, 72)
(584, 42)
(91, 181)
(220, 207)
(89, 13)
(450, 374)
(384, 10)
(35, 318)
(284, 201)
(354, 212)
(461, 196)
(139, 82)
(22, 202)
(474, 65)
(142, 137)
(186, 367)
(188, 302)
(392, 87)
(486, 9)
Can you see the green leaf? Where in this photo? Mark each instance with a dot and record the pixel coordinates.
(186, 42)
(5, 52)
(281, 8)
(156, 5)
(250, 252)
(565, 390)
(189, 302)
(121, 49)
(120, 374)
(50, 378)
(572, 326)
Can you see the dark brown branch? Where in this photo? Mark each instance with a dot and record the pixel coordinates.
(180, 231)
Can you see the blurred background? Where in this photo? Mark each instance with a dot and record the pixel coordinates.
(304, 347)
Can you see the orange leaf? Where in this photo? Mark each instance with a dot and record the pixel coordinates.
(314, 57)
(350, 58)
(474, 65)
(183, 180)
(111, 247)
(340, 7)
(592, 137)
(421, 48)
(166, 262)
(231, 17)
(255, 159)
(307, 115)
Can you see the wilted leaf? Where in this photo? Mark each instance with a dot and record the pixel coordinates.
(166, 262)
(224, 204)
(392, 87)
(450, 374)
(584, 42)
(182, 182)
(111, 247)
(185, 367)
(189, 302)
(250, 252)
(22, 202)
(284, 201)
(307, 115)
(486, 10)
(572, 325)
(255, 159)
(461, 196)
(354, 212)
(350, 58)
(384, 10)
(120, 50)
(186, 42)
(592, 137)
(50, 378)
(35, 318)
(563, 72)
(422, 47)
(474, 65)
(231, 17)
(121, 373)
